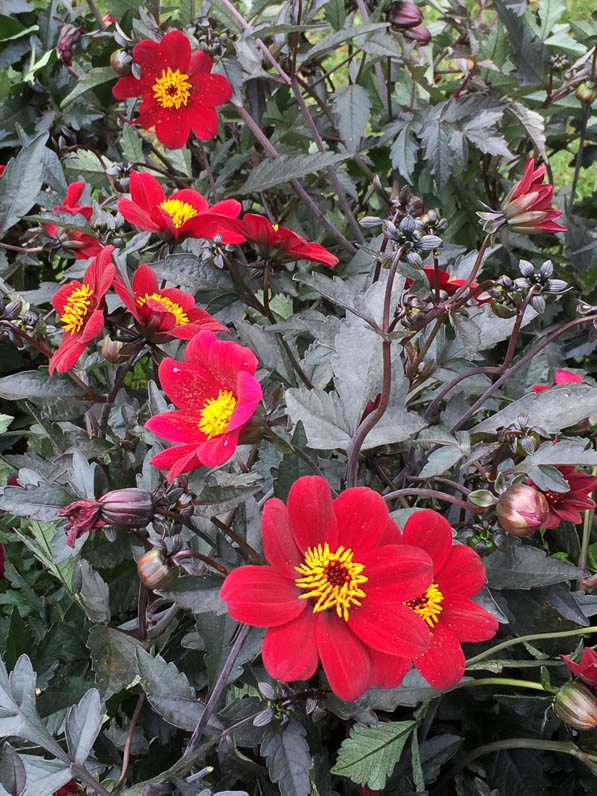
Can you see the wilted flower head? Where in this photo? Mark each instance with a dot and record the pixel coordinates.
(521, 510)
(69, 34)
(125, 508)
(576, 705)
(586, 669)
(527, 206)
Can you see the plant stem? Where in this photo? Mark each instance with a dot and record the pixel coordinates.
(586, 114)
(581, 631)
(227, 530)
(504, 681)
(432, 493)
(96, 14)
(80, 772)
(586, 538)
(187, 523)
(118, 382)
(129, 740)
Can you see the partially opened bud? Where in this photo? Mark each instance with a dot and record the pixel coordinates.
(521, 510)
(154, 571)
(405, 14)
(576, 705)
(127, 508)
(419, 34)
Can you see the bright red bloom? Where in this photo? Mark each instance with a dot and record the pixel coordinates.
(178, 91)
(183, 214)
(217, 394)
(566, 505)
(586, 669)
(79, 306)
(335, 590)
(561, 377)
(458, 574)
(163, 313)
(2, 168)
(450, 284)
(65, 790)
(281, 243)
(84, 245)
(527, 206)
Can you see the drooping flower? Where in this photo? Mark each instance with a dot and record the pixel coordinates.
(335, 590)
(458, 574)
(82, 244)
(566, 505)
(561, 377)
(179, 94)
(79, 306)
(126, 508)
(217, 394)
(522, 510)
(450, 284)
(183, 214)
(162, 313)
(586, 669)
(280, 243)
(527, 206)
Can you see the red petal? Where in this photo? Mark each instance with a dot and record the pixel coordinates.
(387, 671)
(248, 394)
(176, 426)
(396, 573)
(225, 359)
(389, 627)
(391, 533)
(73, 193)
(362, 515)
(311, 515)
(187, 386)
(442, 663)
(193, 198)
(66, 354)
(145, 281)
(148, 53)
(127, 87)
(146, 191)
(289, 651)
(137, 216)
(219, 449)
(278, 541)
(200, 63)
(343, 657)
(211, 90)
(463, 573)
(429, 530)
(566, 377)
(62, 295)
(176, 48)
(204, 121)
(93, 327)
(466, 619)
(169, 458)
(100, 273)
(173, 127)
(227, 207)
(260, 596)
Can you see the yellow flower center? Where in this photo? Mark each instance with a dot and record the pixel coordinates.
(76, 308)
(179, 314)
(172, 89)
(332, 579)
(276, 227)
(180, 212)
(428, 605)
(216, 413)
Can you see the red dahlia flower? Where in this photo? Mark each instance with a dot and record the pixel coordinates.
(182, 214)
(217, 394)
(527, 206)
(458, 573)
(335, 591)
(566, 505)
(586, 669)
(79, 306)
(280, 243)
(84, 245)
(561, 377)
(2, 168)
(163, 313)
(178, 91)
(450, 284)
(66, 790)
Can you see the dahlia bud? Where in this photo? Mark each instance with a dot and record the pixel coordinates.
(586, 93)
(111, 350)
(154, 571)
(576, 705)
(419, 34)
(69, 34)
(127, 508)
(521, 510)
(405, 14)
(121, 61)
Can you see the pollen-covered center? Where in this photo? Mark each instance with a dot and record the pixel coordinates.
(180, 316)
(333, 580)
(180, 212)
(216, 413)
(172, 89)
(428, 605)
(555, 498)
(76, 308)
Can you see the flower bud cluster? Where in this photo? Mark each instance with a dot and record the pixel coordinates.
(542, 279)
(406, 18)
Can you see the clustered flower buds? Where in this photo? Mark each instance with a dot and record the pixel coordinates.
(521, 510)
(406, 18)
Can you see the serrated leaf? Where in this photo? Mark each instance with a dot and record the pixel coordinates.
(160, 678)
(547, 478)
(334, 289)
(439, 152)
(93, 592)
(286, 168)
(322, 416)
(403, 152)
(440, 461)
(41, 502)
(287, 756)
(566, 452)
(21, 182)
(525, 567)
(528, 52)
(44, 777)
(332, 41)
(369, 754)
(533, 123)
(352, 106)
(13, 776)
(113, 658)
(88, 80)
(197, 593)
(132, 146)
(83, 723)
(481, 133)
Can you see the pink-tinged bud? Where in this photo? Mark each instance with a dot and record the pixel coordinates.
(127, 508)
(586, 668)
(154, 571)
(577, 706)
(419, 34)
(521, 510)
(404, 14)
(69, 34)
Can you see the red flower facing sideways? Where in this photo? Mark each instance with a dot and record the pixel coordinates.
(217, 394)
(162, 313)
(177, 89)
(79, 306)
(567, 505)
(83, 245)
(281, 243)
(586, 669)
(336, 591)
(561, 377)
(451, 284)
(183, 214)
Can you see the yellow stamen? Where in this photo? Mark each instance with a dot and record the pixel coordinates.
(333, 579)
(428, 605)
(180, 212)
(76, 308)
(180, 317)
(172, 89)
(216, 414)
(276, 227)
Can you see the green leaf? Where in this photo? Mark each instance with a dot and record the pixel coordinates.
(439, 150)
(13, 776)
(287, 756)
(403, 152)
(38, 539)
(160, 678)
(197, 593)
(547, 478)
(87, 81)
(93, 592)
(441, 461)
(187, 12)
(528, 52)
(567, 451)
(38, 385)
(332, 41)
(285, 168)
(113, 658)
(335, 13)
(41, 502)
(352, 107)
(86, 165)
(83, 723)
(533, 123)
(525, 567)
(481, 133)
(322, 416)
(132, 146)
(21, 182)
(369, 754)
(334, 289)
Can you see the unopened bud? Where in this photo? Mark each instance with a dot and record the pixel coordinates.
(111, 349)
(521, 510)
(154, 571)
(121, 61)
(576, 704)
(404, 14)
(419, 34)
(127, 508)
(586, 93)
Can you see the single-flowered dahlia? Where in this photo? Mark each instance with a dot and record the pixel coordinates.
(452, 617)
(82, 244)
(336, 592)
(450, 284)
(179, 92)
(527, 206)
(586, 668)
(561, 377)
(161, 313)
(80, 307)
(567, 505)
(216, 393)
(183, 214)
(280, 243)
